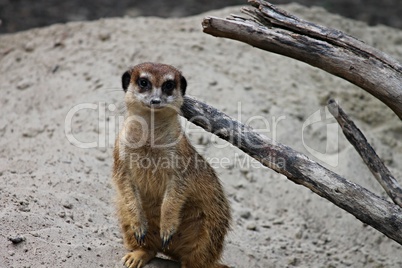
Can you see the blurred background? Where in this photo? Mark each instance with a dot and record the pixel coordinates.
(18, 15)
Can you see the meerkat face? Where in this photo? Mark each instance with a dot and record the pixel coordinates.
(153, 86)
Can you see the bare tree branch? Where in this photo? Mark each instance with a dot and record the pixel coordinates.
(273, 29)
(363, 204)
(369, 156)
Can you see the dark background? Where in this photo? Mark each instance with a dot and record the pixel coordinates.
(17, 15)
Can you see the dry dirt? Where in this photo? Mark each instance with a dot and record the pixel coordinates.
(61, 84)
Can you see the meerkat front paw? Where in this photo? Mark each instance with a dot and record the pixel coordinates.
(138, 258)
(166, 235)
(140, 230)
(170, 220)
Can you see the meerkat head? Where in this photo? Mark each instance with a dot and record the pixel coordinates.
(153, 86)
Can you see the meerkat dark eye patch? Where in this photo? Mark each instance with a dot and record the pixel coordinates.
(125, 80)
(168, 87)
(144, 84)
(183, 85)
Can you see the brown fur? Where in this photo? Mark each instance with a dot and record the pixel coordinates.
(180, 204)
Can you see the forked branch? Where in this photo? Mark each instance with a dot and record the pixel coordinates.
(274, 30)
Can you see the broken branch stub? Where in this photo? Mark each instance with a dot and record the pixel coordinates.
(367, 153)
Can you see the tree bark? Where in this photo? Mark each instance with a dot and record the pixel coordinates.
(275, 30)
(363, 204)
(367, 153)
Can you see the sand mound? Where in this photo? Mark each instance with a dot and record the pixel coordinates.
(61, 92)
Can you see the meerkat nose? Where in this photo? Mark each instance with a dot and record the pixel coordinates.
(156, 101)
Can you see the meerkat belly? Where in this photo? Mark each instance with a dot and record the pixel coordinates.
(151, 170)
(151, 173)
(151, 185)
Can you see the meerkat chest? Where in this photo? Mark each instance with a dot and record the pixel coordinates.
(153, 160)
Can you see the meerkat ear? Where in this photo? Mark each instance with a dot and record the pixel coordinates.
(125, 80)
(183, 85)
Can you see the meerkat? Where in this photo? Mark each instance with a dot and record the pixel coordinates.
(169, 198)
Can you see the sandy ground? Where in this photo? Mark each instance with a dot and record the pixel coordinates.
(60, 86)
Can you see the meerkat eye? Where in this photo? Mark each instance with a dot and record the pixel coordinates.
(144, 83)
(168, 87)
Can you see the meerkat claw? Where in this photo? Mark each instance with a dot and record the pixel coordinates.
(166, 238)
(140, 236)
